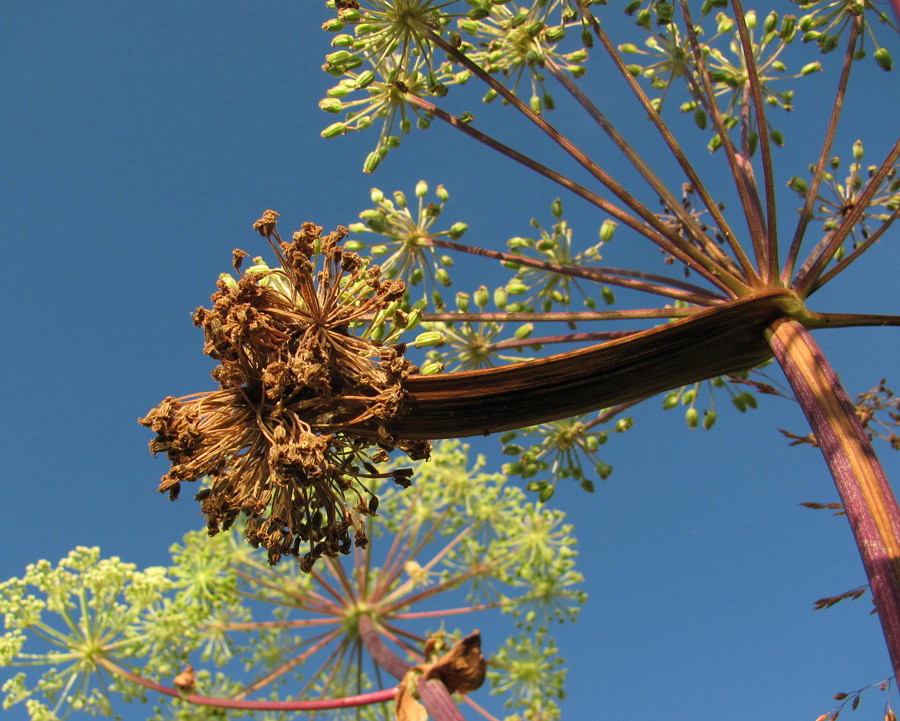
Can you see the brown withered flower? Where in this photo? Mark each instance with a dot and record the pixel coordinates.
(304, 405)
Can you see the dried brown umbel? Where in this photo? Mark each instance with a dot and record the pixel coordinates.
(277, 439)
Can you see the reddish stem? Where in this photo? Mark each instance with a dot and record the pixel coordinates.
(864, 491)
(320, 705)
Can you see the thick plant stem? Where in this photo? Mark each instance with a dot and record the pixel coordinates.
(432, 693)
(864, 491)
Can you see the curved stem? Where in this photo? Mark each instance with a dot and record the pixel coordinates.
(865, 493)
(320, 705)
(723, 339)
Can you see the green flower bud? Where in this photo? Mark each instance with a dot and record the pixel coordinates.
(229, 282)
(750, 19)
(555, 34)
(332, 26)
(628, 48)
(623, 424)
(603, 470)
(500, 298)
(670, 400)
(415, 276)
(421, 189)
(342, 41)
(372, 160)
(534, 29)
(709, 419)
(333, 130)
(376, 195)
(883, 58)
(609, 297)
(480, 296)
(788, 28)
(469, 27)
(523, 331)
(355, 228)
(442, 277)
(556, 208)
(338, 91)
(430, 368)
(724, 24)
(349, 15)
(429, 338)
(688, 396)
(364, 79)
(378, 249)
(456, 230)
(691, 417)
(798, 185)
(770, 22)
(778, 66)
(446, 261)
(400, 198)
(607, 230)
(516, 287)
(777, 137)
(354, 246)
(535, 104)
(587, 485)
(462, 302)
(331, 105)
(441, 193)
(413, 319)
(512, 449)
(811, 68)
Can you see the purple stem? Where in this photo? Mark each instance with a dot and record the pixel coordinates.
(867, 497)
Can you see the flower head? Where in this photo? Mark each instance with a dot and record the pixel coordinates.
(288, 437)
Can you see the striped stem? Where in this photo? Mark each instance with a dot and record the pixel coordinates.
(864, 491)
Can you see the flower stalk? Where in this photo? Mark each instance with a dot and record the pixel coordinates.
(865, 494)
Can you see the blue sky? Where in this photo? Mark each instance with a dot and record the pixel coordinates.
(141, 141)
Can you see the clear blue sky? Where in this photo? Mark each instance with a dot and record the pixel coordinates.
(139, 143)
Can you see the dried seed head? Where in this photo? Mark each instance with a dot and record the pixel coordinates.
(302, 403)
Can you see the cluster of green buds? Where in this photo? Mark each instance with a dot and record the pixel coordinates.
(400, 238)
(560, 450)
(542, 287)
(687, 397)
(828, 19)
(836, 199)
(668, 54)
(381, 54)
(509, 41)
(467, 345)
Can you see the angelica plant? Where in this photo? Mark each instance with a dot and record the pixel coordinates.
(748, 270)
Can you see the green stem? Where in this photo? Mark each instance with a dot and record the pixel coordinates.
(865, 493)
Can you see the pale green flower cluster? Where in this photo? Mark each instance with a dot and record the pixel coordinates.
(459, 539)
